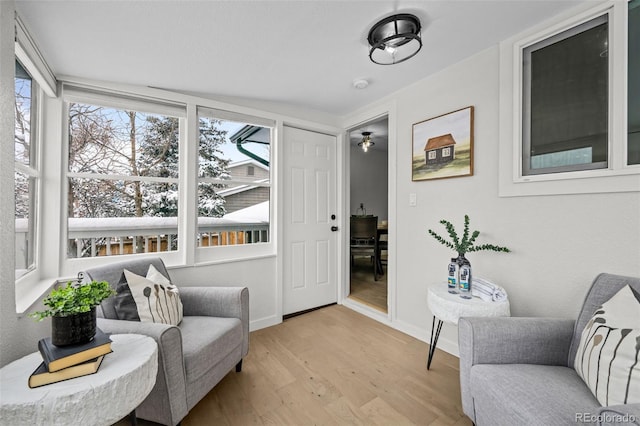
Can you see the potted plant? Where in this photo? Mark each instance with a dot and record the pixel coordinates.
(466, 244)
(73, 311)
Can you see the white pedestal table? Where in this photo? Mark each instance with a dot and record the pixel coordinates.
(123, 381)
(448, 307)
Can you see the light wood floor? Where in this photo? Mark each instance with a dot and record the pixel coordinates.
(364, 289)
(334, 366)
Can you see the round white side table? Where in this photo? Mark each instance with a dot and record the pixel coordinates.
(447, 307)
(123, 381)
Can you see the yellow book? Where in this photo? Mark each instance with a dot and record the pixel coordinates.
(42, 377)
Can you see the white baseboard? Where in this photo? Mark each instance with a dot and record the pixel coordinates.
(264, 322)
(424, 334)
(447, 345)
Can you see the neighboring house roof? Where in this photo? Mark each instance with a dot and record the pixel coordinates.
(439, 142)
(239, 188)
(246, 162)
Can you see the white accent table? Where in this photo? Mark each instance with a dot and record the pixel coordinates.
(123, 381)
(447, 307)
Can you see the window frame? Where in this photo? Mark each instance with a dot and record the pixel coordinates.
(225, 253)
(124, 97)
(617, 176)
(525, 117)
(124, 101)
(32, 170)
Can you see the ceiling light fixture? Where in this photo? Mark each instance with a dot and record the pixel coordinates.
(366, 142)
(395, 39)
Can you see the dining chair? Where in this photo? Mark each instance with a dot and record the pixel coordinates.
(364, 240)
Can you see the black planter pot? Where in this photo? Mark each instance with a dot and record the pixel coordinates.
(73, 329)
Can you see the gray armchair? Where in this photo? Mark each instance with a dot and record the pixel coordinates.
(194, 356)
(519, 371)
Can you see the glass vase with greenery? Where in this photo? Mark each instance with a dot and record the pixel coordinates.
(465, 244)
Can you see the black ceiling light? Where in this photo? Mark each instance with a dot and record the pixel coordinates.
(395, 39)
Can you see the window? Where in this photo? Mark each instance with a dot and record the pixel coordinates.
(446, 152)
(431, 155)
(633, 120)
(123, 171)
(569, 104)
(566, 100)
(233, 205)
(26, 170)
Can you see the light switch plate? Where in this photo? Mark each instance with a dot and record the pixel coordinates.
(413, 200)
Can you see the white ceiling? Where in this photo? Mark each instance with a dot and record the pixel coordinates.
(301, 53)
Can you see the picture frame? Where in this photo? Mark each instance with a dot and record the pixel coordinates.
(442, 146)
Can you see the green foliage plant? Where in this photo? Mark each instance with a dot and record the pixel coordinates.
(466, 244)
(74, 299)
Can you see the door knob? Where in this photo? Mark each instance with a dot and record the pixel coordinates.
(334, 228)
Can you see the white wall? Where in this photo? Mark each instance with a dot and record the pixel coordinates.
(369, 178)
(18, 335)
(560, 243)
(258, 275)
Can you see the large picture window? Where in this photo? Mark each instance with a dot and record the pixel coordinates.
(566, 100)
(234, 182)
(123, 171)
(26, 170)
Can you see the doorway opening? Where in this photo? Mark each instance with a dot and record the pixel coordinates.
(368, 199)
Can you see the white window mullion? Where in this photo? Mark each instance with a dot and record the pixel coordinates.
(618, 87)
(188, 186)
(128, 178)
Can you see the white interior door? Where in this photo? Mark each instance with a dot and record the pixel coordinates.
(310, 255)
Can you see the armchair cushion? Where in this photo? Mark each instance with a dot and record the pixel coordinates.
(124, 304)
(527, 394)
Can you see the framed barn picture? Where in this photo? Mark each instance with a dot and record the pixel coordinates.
(443, 146)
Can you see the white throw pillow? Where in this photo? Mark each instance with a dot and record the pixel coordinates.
(157, 300)
(608, 359)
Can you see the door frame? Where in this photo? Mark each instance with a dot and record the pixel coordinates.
(338, 133)
(362, 117)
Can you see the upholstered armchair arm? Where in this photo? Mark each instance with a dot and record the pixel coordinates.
(168, 399)
(510, 341)
(628, 414)
(515, 340)
(226, 302)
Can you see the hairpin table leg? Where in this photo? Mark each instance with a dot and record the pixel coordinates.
(433, 341)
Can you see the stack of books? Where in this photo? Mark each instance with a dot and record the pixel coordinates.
(67, 362)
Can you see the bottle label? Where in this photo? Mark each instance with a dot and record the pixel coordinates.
(451, 280)
(464, 279)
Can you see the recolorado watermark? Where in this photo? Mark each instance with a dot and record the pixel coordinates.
(604, 418)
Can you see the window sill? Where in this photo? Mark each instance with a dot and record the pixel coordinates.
(591, 182)
(29, 291)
